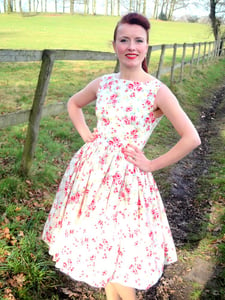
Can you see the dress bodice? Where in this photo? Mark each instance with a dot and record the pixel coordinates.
(124, 110)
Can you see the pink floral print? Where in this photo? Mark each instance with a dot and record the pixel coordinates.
(107, 222)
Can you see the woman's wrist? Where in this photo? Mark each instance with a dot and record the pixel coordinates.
(150, 166)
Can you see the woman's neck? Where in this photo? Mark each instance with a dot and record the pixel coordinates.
(134, 74)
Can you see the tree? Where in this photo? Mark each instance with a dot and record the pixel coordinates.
(86, 7)
(167, 8)
(9, 6)
(217, 11)
(118, 7)
(72, 7)
(155, 11)
(144, 7)
(94, 7)
(20, 6)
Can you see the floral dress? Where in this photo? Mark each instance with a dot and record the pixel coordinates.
(107, 222)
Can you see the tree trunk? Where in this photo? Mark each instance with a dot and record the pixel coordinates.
(20, 6)
(144, 7)
(56, 8)
(106, 7)
(112, 7)
(94, 7)
(14, 6)
(9, 7)
(155, 11)
(214, 21)
(171, 9)
(118, 7)
(72, 7)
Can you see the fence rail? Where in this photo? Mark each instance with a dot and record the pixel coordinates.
(211, 50)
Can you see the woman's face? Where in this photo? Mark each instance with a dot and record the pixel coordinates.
(131, 45)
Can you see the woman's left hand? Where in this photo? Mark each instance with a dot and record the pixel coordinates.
(135, 156)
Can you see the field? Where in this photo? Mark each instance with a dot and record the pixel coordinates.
(87, 32)
(18, 81)
(26, 270)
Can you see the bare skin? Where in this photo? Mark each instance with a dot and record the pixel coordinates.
(116, 291)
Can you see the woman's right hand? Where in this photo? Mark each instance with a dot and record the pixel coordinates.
(91, 136)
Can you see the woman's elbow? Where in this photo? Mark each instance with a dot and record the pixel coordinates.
(196, 140)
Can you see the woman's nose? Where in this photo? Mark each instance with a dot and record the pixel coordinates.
(131, 45)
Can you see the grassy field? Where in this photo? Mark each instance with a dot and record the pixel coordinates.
(86, 32)
(18, 80)
(26, 270)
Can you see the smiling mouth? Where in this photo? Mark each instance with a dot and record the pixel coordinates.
(131, 56)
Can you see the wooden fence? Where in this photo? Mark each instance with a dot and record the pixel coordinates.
(198, 53)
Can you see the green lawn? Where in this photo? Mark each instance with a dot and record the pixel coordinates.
(86, 32)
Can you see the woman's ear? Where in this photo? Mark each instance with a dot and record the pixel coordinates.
(114, 45)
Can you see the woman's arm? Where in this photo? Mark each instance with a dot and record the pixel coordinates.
(189, 138)
(75, 104)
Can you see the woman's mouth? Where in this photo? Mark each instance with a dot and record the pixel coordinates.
(131, 55)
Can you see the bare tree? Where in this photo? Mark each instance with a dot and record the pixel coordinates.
(106, 7)
(118, 7)
(166, 8)
(72, 7)
(20, 6)
(144, 7)
(86, 7)
(9, 6)
(217, 11)
(156, 7)
(94, 7)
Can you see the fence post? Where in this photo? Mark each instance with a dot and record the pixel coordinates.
(199, 50)
(163, 48)
(192, 58)
(182, 62)
(173, 63)
(214, 50)
(209, 52)
(36, 111)
(204, 55)
(117, 66)
(148, 56)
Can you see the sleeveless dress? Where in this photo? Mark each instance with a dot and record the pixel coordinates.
(107, 222)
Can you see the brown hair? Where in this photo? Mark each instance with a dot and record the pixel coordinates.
(135, 19)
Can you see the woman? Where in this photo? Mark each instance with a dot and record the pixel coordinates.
(107, 226)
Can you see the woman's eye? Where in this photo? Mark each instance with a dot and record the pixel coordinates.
(140, 41)
(123, 40)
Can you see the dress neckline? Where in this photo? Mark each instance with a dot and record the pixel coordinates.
(116, 76)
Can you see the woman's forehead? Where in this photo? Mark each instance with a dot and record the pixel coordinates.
(131, 30)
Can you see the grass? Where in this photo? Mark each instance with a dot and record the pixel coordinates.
(26, 270)
(76, 32)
